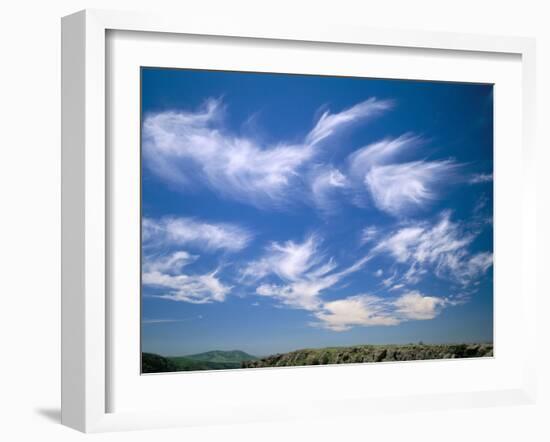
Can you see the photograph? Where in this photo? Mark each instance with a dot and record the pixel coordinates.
(300, 220)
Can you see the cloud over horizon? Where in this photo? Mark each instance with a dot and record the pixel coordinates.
(368, 310)
(305, 272)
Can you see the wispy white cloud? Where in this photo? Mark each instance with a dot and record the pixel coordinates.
(194, 148)
(190, 149)
(165, 266)
(442, 247)
(471, 267)
(166, 272)
(325, 182)
(481, 178)
(289, 260)
(303, 270)
(398, 187)
(397, 287)
(389, 281)
(382, 152)
(158, 321)
(414, 274)
(171, 264)
(168, 321)
(369, 234)
(178, 286)
(368, 310)
(177, 231)
(329, 123)
(300, 294)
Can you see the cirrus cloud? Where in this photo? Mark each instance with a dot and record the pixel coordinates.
(189, 149)
(165, 266)
(401, 188)
(330, 123)
(166, 273)
(395, 186)
(302, 270)
(481, 178)
(325, 181)
(177, 231)
(441, 247)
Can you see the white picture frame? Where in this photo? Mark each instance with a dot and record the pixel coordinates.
(86, 206)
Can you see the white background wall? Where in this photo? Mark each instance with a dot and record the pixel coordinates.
(30, 219)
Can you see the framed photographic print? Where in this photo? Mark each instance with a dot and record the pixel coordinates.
(272, 238)
(254, 213)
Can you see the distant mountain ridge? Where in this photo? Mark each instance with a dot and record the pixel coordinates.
(210, 360)
(222, 356)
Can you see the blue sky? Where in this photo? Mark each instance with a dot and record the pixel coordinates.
(283, 211)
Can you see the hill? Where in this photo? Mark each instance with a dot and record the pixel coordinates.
(222, 356)
(224, 360)
(152, 363)
(211, 360)
(372, 353)
(184, 363)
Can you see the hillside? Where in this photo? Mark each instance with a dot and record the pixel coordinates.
(224, 360)
(152, 363)
(372, 353)
(184, 363)
(222, 356)
(212, 360)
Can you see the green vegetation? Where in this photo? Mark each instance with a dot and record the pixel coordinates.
(152, 363)
(222, 356)
(224, 360)
(212, 360)
(184, 363)
(372, 353)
